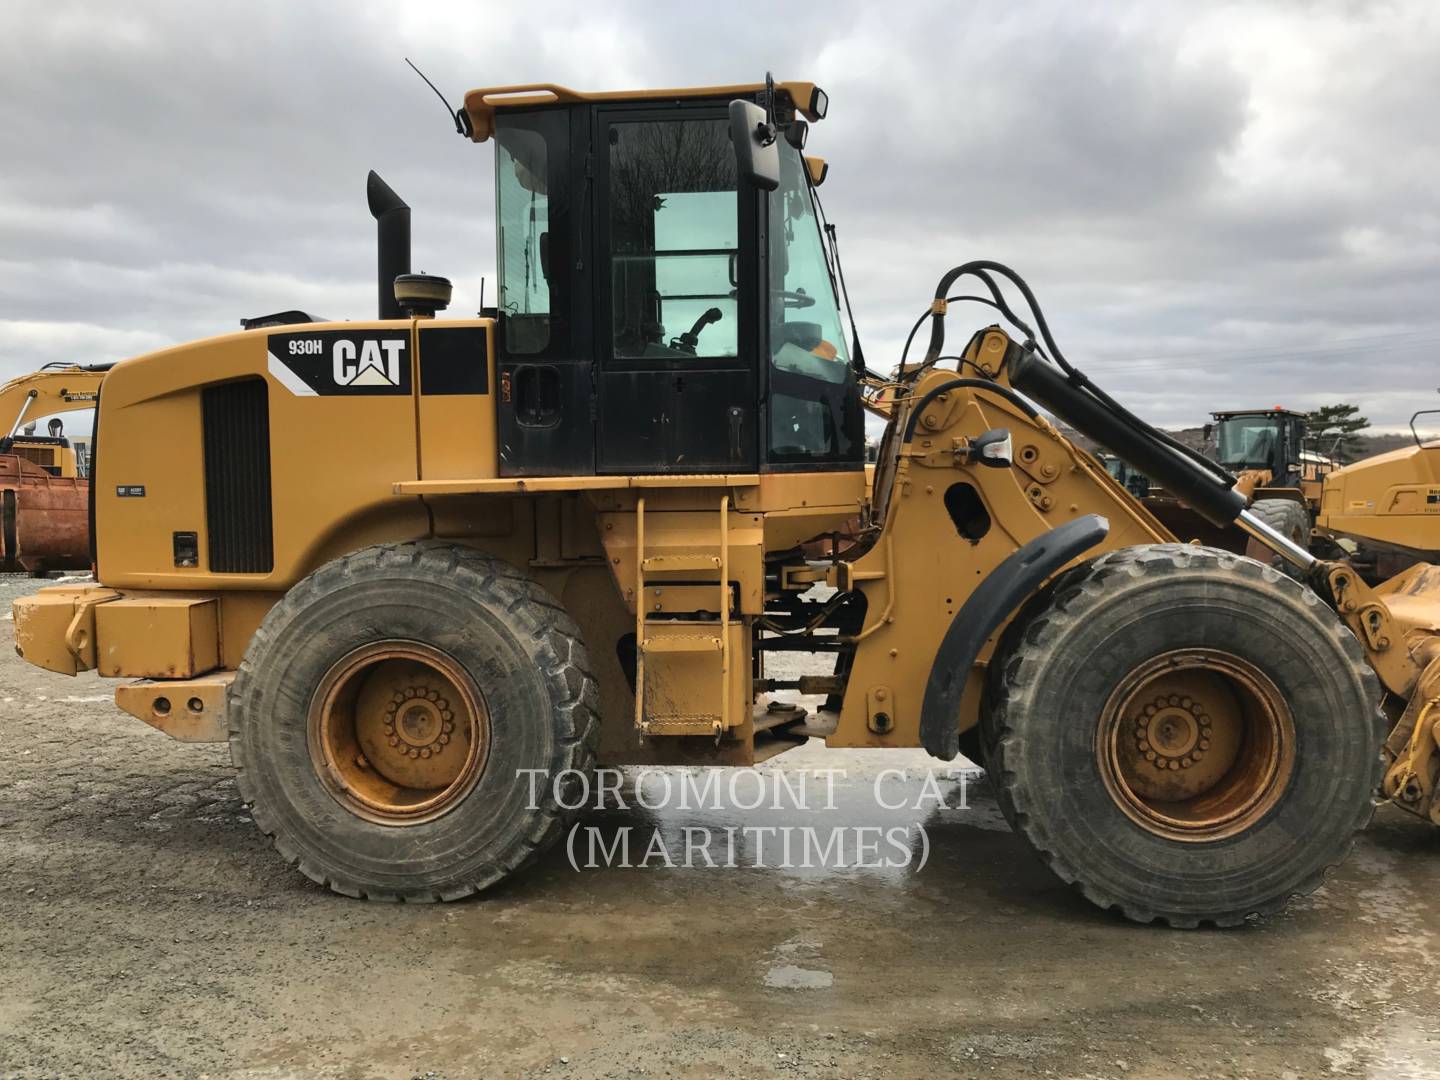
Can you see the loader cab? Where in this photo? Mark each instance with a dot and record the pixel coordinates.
(1270, 439)
(657, 312)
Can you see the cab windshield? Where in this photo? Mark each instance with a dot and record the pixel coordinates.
(813, 401)
(1247, 442)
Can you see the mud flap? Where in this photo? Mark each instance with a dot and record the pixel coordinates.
(1007, 587)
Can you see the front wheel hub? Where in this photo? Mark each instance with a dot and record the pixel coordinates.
(1196, 745)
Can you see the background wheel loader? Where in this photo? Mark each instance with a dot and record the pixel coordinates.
(1265, 450)
(575, 528)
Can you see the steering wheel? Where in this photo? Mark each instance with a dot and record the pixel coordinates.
(793, 301)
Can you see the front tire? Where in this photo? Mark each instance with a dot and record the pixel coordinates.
(1287, 517)
(386, 708)
(1184, 734)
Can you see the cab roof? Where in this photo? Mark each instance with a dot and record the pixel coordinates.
(1274, 410)
(481, 105)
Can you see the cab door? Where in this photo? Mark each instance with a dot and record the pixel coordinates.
(676, 294)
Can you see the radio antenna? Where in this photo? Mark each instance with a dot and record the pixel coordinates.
(459, 117)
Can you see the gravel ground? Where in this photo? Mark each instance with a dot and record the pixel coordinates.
(146, 929)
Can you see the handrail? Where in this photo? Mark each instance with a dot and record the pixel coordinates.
(724, 613)
(1415, 434)
(640, 613)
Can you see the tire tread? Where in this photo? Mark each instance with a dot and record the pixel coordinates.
(1011, 682)
(490, 579)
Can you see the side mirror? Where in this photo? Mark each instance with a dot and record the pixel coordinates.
(757, 157)
(1207, 431)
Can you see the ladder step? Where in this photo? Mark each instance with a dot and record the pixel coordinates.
(682, 643)
(682, 725)
(681, 562)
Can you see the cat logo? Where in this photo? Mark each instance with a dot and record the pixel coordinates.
(367, 363)
(321, 363)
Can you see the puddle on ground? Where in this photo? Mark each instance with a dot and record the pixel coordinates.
(871, 814)
(798, 966)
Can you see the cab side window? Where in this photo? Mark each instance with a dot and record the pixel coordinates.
(532, 220)
(673, 239)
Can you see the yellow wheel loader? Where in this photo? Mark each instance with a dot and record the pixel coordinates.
(1265, 450)
(577, 528)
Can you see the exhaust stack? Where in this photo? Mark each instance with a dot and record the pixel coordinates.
(392, 241)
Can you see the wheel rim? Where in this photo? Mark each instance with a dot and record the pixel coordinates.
(1196, 745)
(399, 733)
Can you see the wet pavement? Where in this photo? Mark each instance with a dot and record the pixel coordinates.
(146, 929)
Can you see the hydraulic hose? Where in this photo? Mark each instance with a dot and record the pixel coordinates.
(974, 384)
(981, 268)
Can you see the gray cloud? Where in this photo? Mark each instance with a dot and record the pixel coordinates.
(1218, 204)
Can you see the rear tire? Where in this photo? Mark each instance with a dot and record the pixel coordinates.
(1183, 734)
(383, 712)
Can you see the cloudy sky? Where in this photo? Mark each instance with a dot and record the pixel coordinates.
(1219, 205)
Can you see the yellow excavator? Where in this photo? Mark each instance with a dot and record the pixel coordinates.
(577, 528)
(44, 496)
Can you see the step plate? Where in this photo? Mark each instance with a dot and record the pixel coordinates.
(682, 725)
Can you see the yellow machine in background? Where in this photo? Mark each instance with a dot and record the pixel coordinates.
(1279, 477)
(53, 390)
(44, 498)
(576, 528)
(1388, 506)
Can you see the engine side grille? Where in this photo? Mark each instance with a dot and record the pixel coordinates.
(237, 477)
(40, 455)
